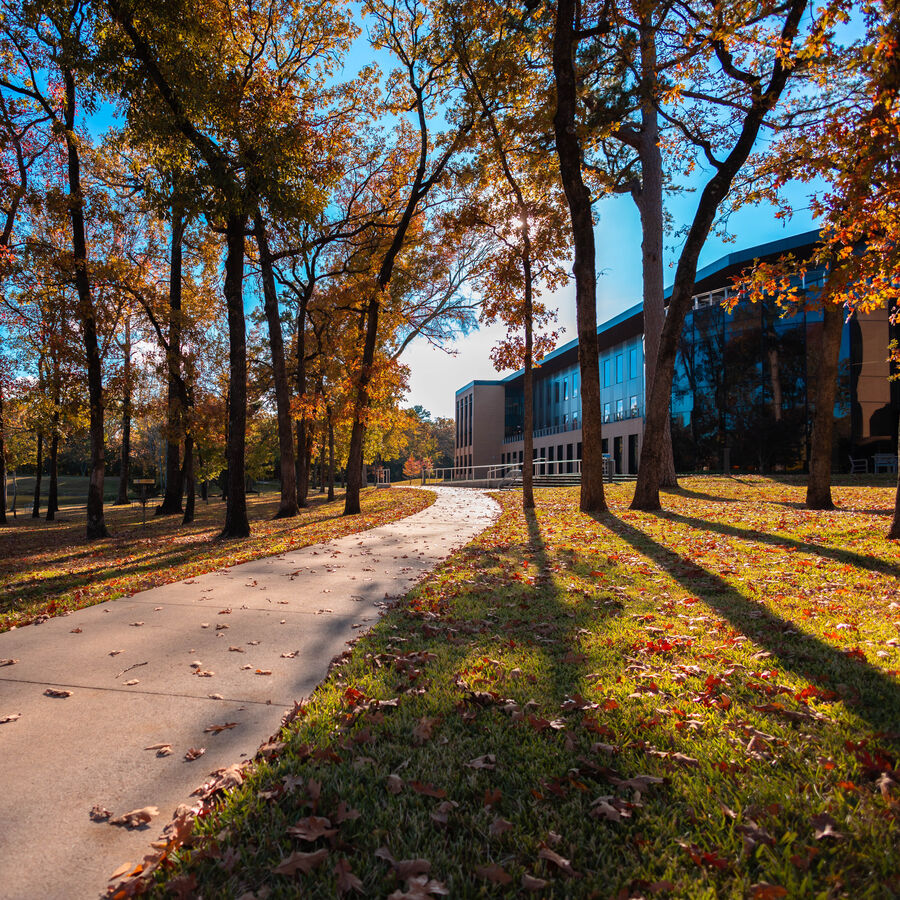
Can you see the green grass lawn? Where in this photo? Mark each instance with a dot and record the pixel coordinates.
(703, 703)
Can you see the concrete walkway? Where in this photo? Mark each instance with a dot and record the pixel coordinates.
(146, 670)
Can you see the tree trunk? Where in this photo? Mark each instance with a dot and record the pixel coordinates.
(330, 457)
(171, 504)
(528, 379)
(322, 467)
(189, 485)
(894, 531)
(53, 491)
(818, 489)
(96, 525)
(236, 521)
(358, 432)
(302, 458)
(579, 199)
(125, 457)
(649, 200)
(288, 506)
(3, 489)
(646, 492)
(36, 505)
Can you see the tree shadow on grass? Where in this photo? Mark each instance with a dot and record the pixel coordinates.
(878, 700)
(847, 557)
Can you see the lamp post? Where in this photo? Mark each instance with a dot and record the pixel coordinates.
(142, 484)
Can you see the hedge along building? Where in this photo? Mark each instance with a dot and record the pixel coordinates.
(741, 396)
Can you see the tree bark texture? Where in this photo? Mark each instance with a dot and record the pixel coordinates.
(578, 196)
(189, 484)
(125, 453)
(236, 522)
(288, 505)
(528, 377)
(301, 465)
(330, 457)
(358, 431)
(53, 467)
(646, 493)
(3, 494)
(649, 201)
(818, 488)
(96, 524)
(171, 504)
(38, 472)
(894, 530)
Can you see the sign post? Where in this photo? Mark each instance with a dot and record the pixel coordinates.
(142, 483)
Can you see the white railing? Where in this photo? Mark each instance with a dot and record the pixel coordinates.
(512, 472)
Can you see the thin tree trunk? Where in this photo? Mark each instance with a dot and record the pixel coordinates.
(358, 431)
(3, 489)
(322, 467)
(236, 522)
(190, 487)
(125, 456)
(330, 457)
(171, 504)
(288, 506)
(649, 200)
(96, 524)
(302, 458)
(578, 196)
(818, 489)
(894, 531)
(53, 491)
(528, 379)
(36, 504)
(646, 492)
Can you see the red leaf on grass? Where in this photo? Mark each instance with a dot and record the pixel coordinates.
(494, 873)
(301, 862)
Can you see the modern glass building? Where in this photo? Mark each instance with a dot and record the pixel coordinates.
(741, 397)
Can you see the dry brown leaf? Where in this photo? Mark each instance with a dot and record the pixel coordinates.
(301, 862)
(263, 671)
(7, 662)
(344, 813)
(429, 790)
(115, 652)
(824, 826)
(410, 868)
(76, 630)
(493, 872)
(552, 856)
(99, 813)
(441, 813)
(203, 673)
(136, 817)
(132, 682)
(161, 749)
(530, 883)
(424, 729)
(500, 826)
(215, 729)
(394, 784)
(488, 761)
(194, 753)
(346, 880)
(312, 828)
(124, 869)
(10, 717)
(290, 654)
(215, 697)
(53, 692)
(765, 891)
(235, 649)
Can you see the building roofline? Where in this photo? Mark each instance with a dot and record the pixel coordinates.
(476, 383)
(748, 254)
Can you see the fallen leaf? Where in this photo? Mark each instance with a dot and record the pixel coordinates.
(312, 828)
(500, 826)
(215, 697)
(99, 813)
(410, 868)
(115, 652)
(424, 728)
(194, 753)
(765, 891)
(161, 749)
(552, 856)
(215, 729)
(495, 873)
(122, 870)
(10, 717)
(136, 817)
(429, 790)
(53, 692)
(394, 784)
(263, 671)
(530, 883)
(344, 813)
(824, 826)
(441, 813)
(290, 654)
(301, 862)
(131, 683)
(346, 880)
(236, 650)
(203, 673)
(75, 631)
(136, 624)
(488, 761)
(7, 662)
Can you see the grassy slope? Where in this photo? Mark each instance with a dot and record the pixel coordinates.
(738, 650)
(47, 568)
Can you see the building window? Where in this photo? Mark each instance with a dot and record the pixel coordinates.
(565, 389)
(619, 369)
(556, 392)
(607, 377)
(632, 363)
(606, 412)
(633, 406)
(575, 420)
(620, 409)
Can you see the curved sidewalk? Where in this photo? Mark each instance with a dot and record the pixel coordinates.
(239, 645)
